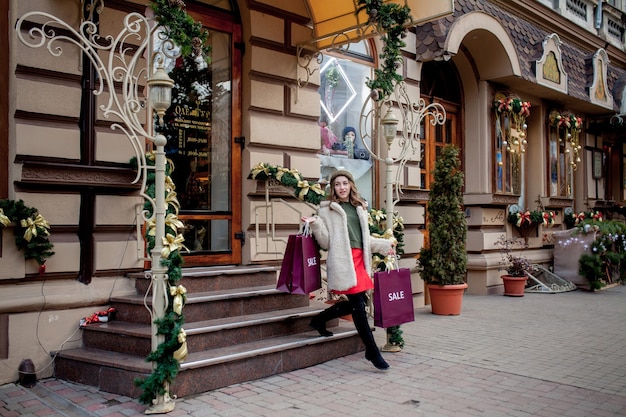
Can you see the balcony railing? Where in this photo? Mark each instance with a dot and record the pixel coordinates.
(603, 18)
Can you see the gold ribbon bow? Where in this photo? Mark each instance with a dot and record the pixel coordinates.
(151, 226)
(376, 215)
(179, 294)
(282, 171)
(31, 226)
(390, 262)
(169, 184)
(388, 234)
(376, 260)
(4, 220)
(305, 187)
(171, 220)
(173, 200)
(260, 168)
(172, 243)
(181, 353)
(398, 223)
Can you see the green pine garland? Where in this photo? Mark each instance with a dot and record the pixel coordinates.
(31, 230)
(170, 326)
(181, 28)
(303, 190)
(390, 19)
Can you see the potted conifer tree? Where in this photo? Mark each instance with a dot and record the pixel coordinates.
(442, 265)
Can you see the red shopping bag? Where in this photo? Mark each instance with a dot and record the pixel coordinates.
(300, 272)
(393, 298)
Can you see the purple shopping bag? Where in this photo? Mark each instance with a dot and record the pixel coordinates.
(393, 298)
(300, 272)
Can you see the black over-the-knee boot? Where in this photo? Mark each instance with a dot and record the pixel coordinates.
(342, 308)
(362, 325)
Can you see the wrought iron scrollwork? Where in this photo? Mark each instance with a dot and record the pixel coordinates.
(117, 60)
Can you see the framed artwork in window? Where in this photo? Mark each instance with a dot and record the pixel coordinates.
(597, 164)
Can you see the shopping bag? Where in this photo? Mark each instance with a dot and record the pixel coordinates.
(393, 298)
(300, 271)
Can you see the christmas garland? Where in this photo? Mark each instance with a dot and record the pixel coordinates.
(517, 111)
(182, 29)
(571, 126)
(173, 349)
(571, 218)
(390, 19)
(303, 190)
(520, 218)
(31, 230)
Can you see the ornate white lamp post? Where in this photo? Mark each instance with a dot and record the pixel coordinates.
(128, 114)
(412, 116)
(389, 123)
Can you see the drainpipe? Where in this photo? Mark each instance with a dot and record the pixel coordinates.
(599, 15)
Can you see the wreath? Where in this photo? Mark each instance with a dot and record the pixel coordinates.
(31, 230)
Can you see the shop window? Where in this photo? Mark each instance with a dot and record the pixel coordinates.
(342, 99)
(563, 152)
(510, 143)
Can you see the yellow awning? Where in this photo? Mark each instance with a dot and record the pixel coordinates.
(335, 22)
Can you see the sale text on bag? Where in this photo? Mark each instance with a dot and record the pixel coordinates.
(393, 296)
(311, 261)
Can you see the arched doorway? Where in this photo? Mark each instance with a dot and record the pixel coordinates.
(440, 84)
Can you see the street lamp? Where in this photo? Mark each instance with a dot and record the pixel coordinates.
(412, 116)
(160, 91)
(119, 67)
(389, 123)
(390, 127)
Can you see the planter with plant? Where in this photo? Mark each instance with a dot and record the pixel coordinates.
(517, 267)
(442, 265)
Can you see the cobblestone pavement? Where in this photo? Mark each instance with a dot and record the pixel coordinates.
(538, 355)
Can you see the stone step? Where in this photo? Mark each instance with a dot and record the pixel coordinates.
(212, 305)
(135, 338)
(239, 328)
(205, 279)
(207, 370)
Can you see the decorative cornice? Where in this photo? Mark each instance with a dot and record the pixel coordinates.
(76, 175)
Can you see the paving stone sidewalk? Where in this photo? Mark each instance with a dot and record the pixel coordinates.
(539, 355)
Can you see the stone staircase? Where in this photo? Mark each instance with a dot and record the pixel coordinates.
(239, 328)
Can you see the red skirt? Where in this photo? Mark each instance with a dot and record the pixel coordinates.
(363, 280)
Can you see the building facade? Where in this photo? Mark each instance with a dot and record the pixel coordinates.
(507, 73)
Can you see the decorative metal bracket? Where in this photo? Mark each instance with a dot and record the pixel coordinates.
(121, 66)
(412, 114)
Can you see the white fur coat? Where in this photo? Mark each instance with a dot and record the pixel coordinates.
(330, 229)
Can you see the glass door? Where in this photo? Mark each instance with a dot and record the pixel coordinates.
(202, 126)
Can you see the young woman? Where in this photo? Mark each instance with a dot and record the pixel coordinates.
(341, 228)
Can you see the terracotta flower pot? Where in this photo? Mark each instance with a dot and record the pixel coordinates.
(514, 286)
(446, 300)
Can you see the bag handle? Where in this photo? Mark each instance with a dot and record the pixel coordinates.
(305, 229)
